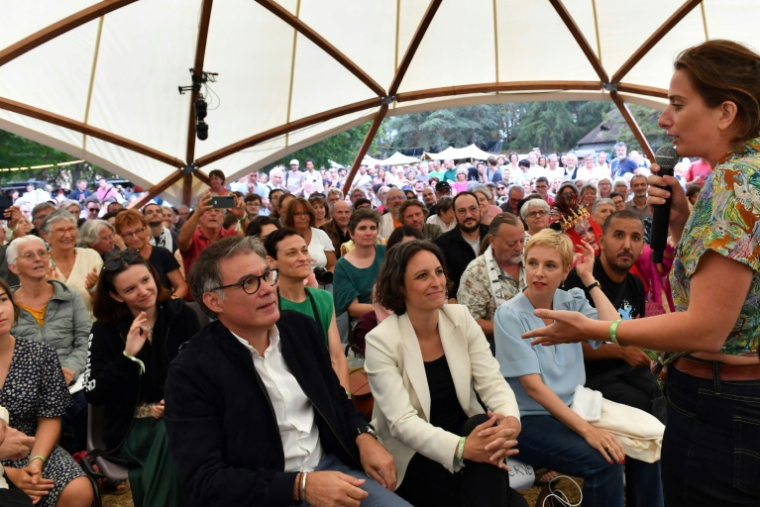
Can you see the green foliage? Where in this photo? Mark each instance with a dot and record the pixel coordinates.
(646, 118)
(340, 148)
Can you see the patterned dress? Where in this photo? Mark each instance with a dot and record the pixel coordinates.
(725, 220)
(34, 388)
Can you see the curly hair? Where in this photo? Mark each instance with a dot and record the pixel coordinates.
(392, 273)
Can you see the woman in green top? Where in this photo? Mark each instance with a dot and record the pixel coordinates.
(356, 272)
(711, 448)
(288, 253)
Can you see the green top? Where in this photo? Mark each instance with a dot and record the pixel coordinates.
(351, 282)
(450, 175)
(323, 300)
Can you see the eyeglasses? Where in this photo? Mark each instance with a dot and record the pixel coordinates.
(252, 283)
(133, 233)
(537, 214)
(115, 262)
(300, 214)
(60, 232)
(93, 209)
(30, 256)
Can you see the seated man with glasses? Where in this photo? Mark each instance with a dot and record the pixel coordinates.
(254, 412)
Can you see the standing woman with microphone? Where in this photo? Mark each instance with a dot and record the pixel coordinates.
(709, 346)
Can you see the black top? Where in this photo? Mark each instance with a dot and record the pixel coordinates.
(458, 253)
(445, 410)
(164, 262)
(628, 297)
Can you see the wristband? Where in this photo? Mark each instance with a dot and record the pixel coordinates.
(39, 457)
(303, 486)
(594, 284)
(460, 451)
(133, 358)
(613, 332)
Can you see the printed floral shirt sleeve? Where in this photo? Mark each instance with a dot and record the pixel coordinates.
(475, 290)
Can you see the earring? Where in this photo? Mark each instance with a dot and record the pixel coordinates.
(562, 285)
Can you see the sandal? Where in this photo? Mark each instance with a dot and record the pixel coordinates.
(544, 477)
(114, 487)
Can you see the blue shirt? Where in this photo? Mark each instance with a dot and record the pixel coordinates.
(560, 366)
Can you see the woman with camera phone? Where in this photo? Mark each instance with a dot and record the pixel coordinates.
(288, 254)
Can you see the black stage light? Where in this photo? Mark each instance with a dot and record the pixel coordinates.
(201, 130)
(201, 108)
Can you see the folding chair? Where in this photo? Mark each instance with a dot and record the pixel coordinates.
(108, 466)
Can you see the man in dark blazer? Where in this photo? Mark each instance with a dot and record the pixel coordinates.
(254, 412)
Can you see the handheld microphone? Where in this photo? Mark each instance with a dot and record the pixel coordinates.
(667, 158)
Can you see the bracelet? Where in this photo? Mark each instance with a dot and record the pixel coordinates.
(39, 457)
(297, 488)
(303, 486)
(133, 358)
(613, 332)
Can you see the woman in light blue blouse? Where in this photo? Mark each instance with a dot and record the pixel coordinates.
(544, 380)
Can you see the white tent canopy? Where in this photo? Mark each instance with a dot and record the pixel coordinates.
(98, 78)
(470, 152)
(399, 159)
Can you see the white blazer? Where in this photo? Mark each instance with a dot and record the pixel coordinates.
(402, 396)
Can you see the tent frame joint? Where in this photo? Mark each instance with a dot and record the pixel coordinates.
(610, 87)
(189, 168)
(388, 100)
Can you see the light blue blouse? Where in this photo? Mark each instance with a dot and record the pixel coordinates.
(560, 366)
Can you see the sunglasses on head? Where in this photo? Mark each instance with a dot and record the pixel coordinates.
(115, 262)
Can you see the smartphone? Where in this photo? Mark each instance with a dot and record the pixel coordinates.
(222, 201)
(5, 202)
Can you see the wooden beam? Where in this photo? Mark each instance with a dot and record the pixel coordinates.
(575, 31)
(187, 189)
(653, 39)
(412, 49)
(203, 177)
(284, 129)
(512, 86)
(631, 121)
(642, 90)
(61, 27)
(365, 147)
(155, 190)
(322, 43)
(200, 55)
(62, 121)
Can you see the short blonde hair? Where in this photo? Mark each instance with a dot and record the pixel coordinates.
(559, 241)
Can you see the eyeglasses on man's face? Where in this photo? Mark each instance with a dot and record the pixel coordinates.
(538, 214)
(252, 283)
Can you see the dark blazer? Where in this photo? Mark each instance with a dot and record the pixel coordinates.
(458, 254)
(223, 433)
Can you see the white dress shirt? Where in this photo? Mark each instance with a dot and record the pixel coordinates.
(294, 411)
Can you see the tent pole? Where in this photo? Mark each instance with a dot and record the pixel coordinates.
(200, 56)
(631, 121)
(155, 190)
(365, 147)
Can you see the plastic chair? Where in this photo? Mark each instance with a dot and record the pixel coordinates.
(108, 467)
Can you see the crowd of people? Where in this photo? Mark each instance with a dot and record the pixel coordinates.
(503, 310)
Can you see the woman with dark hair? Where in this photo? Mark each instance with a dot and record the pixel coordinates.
(402, 235)
(709, 345)
(262, 227)
(302, 218)
(321, 210)
(139, 330)
(35, 394)
(448, 450)
(216, 179)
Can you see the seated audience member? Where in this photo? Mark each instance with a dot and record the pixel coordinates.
(92, 205)
(412, 213)
(337, 228)
(621, 187)
(274, 202)
(462, 244)
(356, 271)
(544, 380)
(428, 197)
(362, 204)
(603, 208)
(78, 268)
(101, 237)
(131, 226)
(321, 210)
(334, 195)
(282, 205)
(402, 235)
(262, 227)
(288, 255)
(301, 217)
(35, 394)
(638, 204)
(444, 216)
(269, 424)
(39, 213)
(604, 185)
(515, 194)
(428, 401)
(587, 197)
(171, 218)
(621, 374)
(204, 227)
(619, 201)
(390, 220)
(52, 313)
(73, 207)
(535, 216)
(487, 209)
(497, 275)
(139, 330)
(252, 206)
(112, 205)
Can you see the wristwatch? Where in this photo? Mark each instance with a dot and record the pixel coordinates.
(366, 429)
(595, 284)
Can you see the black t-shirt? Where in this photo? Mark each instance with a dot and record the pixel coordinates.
(628, 297)
(164, 262)
(445, 410)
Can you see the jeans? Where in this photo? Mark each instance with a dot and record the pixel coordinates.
(427, 484)
(378, 495)
(544, 441)
(711, 450)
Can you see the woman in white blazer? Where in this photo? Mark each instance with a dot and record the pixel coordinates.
(427, 364)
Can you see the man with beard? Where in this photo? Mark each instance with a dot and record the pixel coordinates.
(462, 244)
(620, 373)
(389, 222)
(497, 275)
(413, 214)
(638, 205)
(160, 235)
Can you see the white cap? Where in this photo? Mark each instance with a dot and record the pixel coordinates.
(295, 162)
(4, 414)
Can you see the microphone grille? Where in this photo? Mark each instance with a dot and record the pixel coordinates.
(666, 157)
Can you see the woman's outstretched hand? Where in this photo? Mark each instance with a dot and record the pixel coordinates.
(568, 327)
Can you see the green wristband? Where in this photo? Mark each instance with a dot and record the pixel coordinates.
(39, 457)
(613, 332)
(460, 451)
